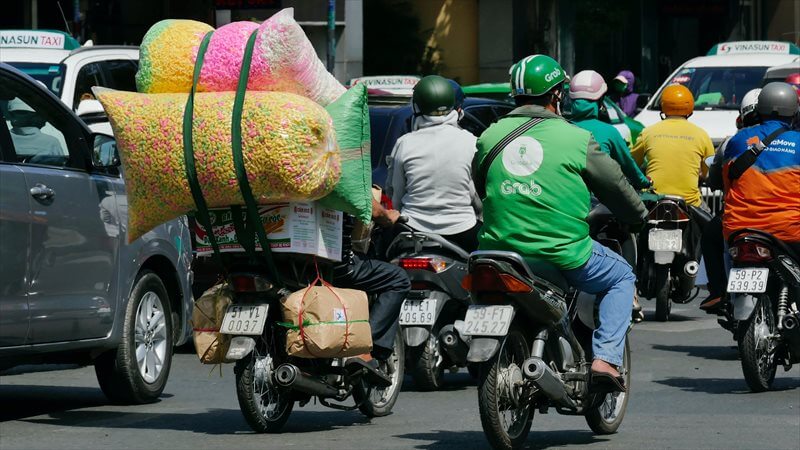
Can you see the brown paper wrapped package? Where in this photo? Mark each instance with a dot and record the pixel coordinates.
(326, 333)
(211, 346)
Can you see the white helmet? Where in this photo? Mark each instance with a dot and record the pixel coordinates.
(749, 102)
(588, 85)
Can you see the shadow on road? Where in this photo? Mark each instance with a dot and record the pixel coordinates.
(722, 353)
(23, 401)
(475, 439)
(650, 315)
(452, 382)
(213, 421)
(726, 385)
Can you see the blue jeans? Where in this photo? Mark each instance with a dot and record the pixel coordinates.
(611, 278)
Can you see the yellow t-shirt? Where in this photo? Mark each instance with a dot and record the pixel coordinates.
(675, 151)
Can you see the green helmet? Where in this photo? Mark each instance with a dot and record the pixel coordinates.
(433, 96)
(535, 75)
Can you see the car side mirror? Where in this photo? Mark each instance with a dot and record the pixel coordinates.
(104, 152)
(91, 110)
(641, 101)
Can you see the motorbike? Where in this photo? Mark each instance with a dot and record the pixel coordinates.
(668, 265)
(437, 299)
(763, 305)
(531, 334)
(268, 381)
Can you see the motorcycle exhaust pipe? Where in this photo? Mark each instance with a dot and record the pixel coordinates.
(535, 370)
(455, 348)
(691, 268)
(791, 329)
(289, 376)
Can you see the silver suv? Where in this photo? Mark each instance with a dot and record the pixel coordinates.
(71, 288)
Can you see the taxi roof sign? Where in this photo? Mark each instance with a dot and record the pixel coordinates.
(393, 84)
(751, 47)
(43, 39)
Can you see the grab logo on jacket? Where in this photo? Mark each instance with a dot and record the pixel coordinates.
(523, 156)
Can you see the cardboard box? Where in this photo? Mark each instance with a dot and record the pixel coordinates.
(296, 227)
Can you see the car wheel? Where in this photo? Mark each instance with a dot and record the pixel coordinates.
(137, 370)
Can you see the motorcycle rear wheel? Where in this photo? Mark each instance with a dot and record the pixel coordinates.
(428, 364)
(759, 362)
(606, 417)
(663, 300)
(499, 395)
(265, 406)
(374, 401)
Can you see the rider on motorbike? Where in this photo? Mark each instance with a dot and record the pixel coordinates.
(712, 241)
(586, 89)
(766, 195)
(429, 176)
(674, 149)
(536, 202)
(390, 284)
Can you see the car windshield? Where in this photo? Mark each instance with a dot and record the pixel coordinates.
(717, 87)
(51, 75)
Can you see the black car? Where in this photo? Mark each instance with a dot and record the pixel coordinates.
(390, 118)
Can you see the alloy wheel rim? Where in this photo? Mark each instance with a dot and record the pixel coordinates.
(150, 337)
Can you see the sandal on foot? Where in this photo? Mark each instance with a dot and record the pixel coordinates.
(605, 382)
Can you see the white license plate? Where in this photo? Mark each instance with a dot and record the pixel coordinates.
(418, 312)
(484, 320)
(749, 280)
(244, 319)
(665, 240)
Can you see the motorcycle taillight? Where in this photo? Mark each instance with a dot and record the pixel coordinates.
(667, 211)
(751, 252)
(485, 278)
(427, 263)
(242, 283)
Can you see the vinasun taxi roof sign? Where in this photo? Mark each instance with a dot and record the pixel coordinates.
(43, 39)
(745, 47)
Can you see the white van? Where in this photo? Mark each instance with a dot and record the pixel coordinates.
(69, 70)
(720, 79)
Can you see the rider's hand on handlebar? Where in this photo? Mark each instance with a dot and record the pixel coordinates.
(387, 219)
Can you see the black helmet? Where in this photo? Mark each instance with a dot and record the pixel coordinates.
(433, 96)
(777, 100)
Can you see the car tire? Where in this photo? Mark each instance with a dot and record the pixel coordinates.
(147, 327)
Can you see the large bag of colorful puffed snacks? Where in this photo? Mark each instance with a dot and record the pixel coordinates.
(283, 59)
(353, 193)
(288, 146)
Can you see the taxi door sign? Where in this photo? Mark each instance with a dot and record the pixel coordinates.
(732, 48)
(53, 40)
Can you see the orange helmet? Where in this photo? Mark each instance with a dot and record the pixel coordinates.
(677, 100)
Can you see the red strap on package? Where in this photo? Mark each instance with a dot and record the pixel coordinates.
(301, 326)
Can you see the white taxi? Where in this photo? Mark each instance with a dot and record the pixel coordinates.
(69, 70)
(720, 79)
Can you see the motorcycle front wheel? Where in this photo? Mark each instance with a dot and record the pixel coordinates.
(606, 417)
(264, 405)
(503, 402)
(663, 300)
(757, 347)
(376, 401)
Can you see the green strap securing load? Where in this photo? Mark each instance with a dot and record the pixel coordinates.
(253, 218)
(188, 154)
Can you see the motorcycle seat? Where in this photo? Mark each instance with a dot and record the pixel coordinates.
(548, 272)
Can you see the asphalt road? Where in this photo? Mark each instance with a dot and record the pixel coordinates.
(687, 392)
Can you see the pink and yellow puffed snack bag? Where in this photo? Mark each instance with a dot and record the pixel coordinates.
(288, 144)
(283, 59)
(167, 55)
